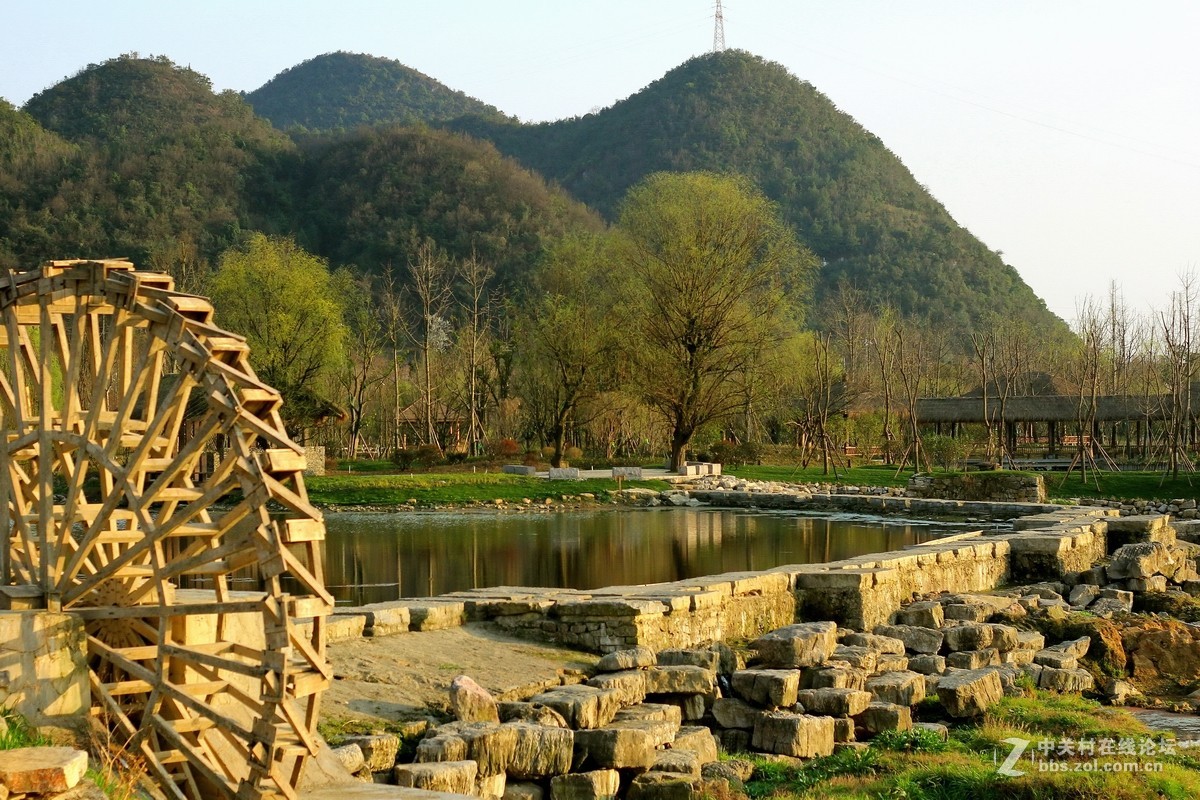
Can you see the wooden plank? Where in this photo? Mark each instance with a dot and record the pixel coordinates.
(303, 530)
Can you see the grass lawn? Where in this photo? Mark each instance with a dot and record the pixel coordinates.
(866, 475)
(919, 766)
(442, 488)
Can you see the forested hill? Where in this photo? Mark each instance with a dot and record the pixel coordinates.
(344, 91)
(850, 199)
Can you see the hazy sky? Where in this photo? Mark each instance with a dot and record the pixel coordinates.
(1065, 133)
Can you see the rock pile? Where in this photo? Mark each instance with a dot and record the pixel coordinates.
(648, 725)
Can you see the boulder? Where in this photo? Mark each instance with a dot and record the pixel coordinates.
(772, 688)
(454, 777)
(843, 730)
(698, 740)
(730, 712)
(632, 658)
(881, 716)
(489, 744)
(902, 688)
(1083, 594)
(1055, 659)
(661, 732)
(874, 641)
(42, 770)
(540, 751)
(1004, 637)
(683, 762)
(1141, 560)
(663, 786)
(916, 639)
(470, 702)
(630, 684)
(891, 662)
(937, 728)
(1119, 691)
(1030, 640)
(600, 784)
(802, 645)
(927, 664)
(798, 735)
(834, 678)
(658, 712)
(858, 657)
(708, 659)
(439, 747)
(968, 636)
(490, 787)
(833, 702)
(969, 693)
(379, 749)
(349, 756)
(1065, 680)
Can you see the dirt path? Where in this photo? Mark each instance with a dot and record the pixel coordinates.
(404, 677)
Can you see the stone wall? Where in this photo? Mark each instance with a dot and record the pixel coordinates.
(1013, 487)
(1051, 544)
(43, 666)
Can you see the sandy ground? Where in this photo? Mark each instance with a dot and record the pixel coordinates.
(407, 676)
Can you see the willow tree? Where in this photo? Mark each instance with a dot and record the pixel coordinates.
(713, 279)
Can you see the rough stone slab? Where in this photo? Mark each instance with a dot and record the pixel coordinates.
(630, 685)
(540, 751)
(802, 645)
(1077, 648)
(621, 660)
(1056, 659)
(969, 693)
(1141, 560)
(350, 756)
(797, 735)
(968, 636)
(521, 790)
(680, 680)
(833, 702)
(600, 784)
(582, 706)
(489, 744)
(974, 659)
(875, 641)
(835, 677)
(1004, 637)
(436, 616)
(857, 657)
(470, 702)
(378, 749)
(730, 712)
(613, 748)
(698, 740)
(517, 711)
(922, 614)
(882, 716)
(771, 688)
(891, 662)
(1030, 640)
(1065, 680)
(915, 638)
(42, 770)
(708, 659)
(490, 787)
(662, 786)
(927, 664)
(1083, 594)
(658, 712)
(901, 688)
(661, 732)
(682, 762)
(383, 791)
(455, 777)
(440, 747)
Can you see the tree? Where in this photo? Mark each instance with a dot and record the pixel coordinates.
(475, 304)
(568, 341)
(364, 366)
(429, 274)
(282, 299)
(714, 277)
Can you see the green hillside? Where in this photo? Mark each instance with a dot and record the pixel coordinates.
(344, 91)
(163, 160)
(32, 161)
(850, 199)
(371, 197)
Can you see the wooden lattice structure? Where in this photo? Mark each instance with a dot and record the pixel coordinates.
(202, 595)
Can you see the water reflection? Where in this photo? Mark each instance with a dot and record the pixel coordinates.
(376, 557)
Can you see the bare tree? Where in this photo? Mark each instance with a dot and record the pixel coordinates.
(475, 276)
(429, 276)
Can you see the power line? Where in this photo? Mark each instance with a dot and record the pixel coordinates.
(719, 30)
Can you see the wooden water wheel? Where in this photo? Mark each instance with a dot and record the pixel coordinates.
(151, 491)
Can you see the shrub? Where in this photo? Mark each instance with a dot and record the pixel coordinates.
(428, 454)
(532, 458)
(403, 457)
(508, 447)
(573, 454)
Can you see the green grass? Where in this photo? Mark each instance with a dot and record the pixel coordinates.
(866, 475)
(1123, 485)
(452, 488)
(919, 766)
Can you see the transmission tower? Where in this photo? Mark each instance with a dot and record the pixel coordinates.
(719, 30)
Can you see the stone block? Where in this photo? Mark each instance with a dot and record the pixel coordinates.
(875, 641)
(661, 732)
(682, 762)
(436, 616)
(967, 612)
(613, 748)
(379, 749)
(662, 786)
(1083, 594)
(1065, 680)
(802, 645)
(915, 638)
(540, 751)
(698, 740)
(901, 688)
(922, 614)
(968, 636)
(857, 657)
(1018, 657)
(797, 735)
(632, 658)
(470, 702)
(522, 790)
(969, 693)
(1056, 659)
(1154, 583)
(730, 712)
(664, 712)
(833, 702)
(680, 680)
(882, 716)
(385, 619)
(1030, 640)
(708, 659)
(630, 685)
(490, 787)
(927, 664)
(564, 473)
(514, 711)
(350, 756)
(942, 731)
(440, 747)
(1004, 637)
(627, 473)
(843, 730)
(771, 688)
(42, 770)
(1141, 560)
(1078, 648)
(600, 784)
(891, 662)
(835, 678)
(455, 777)
(489, 744)
(582, 706)
(518, 469)
(973, 659)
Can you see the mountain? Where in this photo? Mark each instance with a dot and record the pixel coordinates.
(163, 160)
(849, 198)
(344, 91)
(32, 160)
(372, 196)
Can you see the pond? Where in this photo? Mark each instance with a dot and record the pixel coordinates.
(374, 557)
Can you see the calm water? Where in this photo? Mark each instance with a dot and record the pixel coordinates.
(371, 558)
